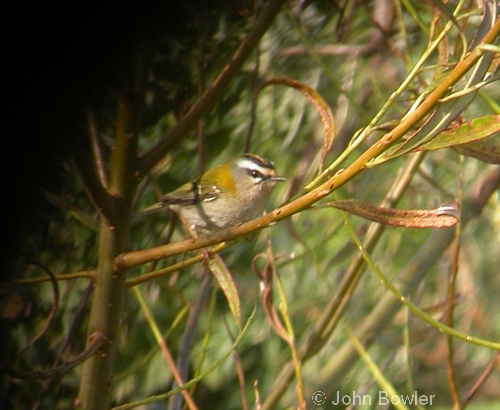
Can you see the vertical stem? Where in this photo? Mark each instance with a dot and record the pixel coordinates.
(105, 312)
(452, 278)
(108, 298)
(450, 368)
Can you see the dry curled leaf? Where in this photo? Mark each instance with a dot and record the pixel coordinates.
(319, 104)
(444, 216)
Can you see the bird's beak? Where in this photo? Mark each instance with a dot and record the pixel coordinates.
(277, 178)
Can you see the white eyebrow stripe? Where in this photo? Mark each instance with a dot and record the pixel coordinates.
(249, 164)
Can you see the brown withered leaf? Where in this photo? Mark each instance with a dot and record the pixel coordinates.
(319, 104)
(266, 292)
(444, 216)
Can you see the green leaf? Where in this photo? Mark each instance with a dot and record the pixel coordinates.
(477, 129)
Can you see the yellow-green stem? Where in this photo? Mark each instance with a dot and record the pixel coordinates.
(109, 289)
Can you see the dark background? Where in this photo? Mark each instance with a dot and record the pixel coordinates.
(60, 61)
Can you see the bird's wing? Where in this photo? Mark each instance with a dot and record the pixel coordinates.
(191, 193)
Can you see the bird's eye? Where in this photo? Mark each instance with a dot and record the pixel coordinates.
(256, 175)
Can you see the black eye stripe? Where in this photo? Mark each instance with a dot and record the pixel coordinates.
(255, 174)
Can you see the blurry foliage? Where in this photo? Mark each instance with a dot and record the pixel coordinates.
(312, 249)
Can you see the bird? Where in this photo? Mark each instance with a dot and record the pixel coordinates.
(232, 193)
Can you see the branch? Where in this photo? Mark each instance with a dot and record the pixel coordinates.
(75, 321)
(131, 259)
(175, 267)
(53, 309)
(89, 274)
(97, 340)
(109, 206)
(97, 155)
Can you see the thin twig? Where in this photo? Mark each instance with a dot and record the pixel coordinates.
(450, 368)
(87, 274)
(108, 205)
(176, 267)
(200, 86)
(253, 103)
(239, 368)
(480, 381)
(53, 309)
(71, 332)
(96, 340)
(167, 355)
(83, 217)
(95, 144)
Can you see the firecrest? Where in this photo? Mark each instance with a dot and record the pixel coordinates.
(234, 192)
